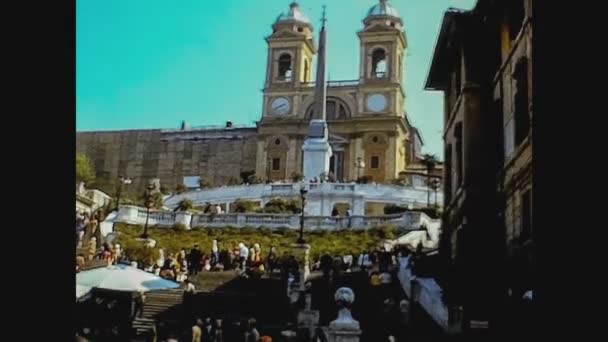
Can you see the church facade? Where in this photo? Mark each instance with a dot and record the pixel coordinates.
(369, 132)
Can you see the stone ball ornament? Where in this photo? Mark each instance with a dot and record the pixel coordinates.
(344, 296)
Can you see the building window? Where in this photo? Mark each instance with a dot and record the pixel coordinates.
(526, 216)
(379, 63)
(276, 164)
(334, 109)
(306, 78)
(448, 175)
(509, 135)
(521, 102)
(375, 162)
(285, 67)
(459, 154)
(498, 117)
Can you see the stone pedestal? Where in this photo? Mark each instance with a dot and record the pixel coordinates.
(308, 318)
(317, 152)
(344, 336)
(344, 328)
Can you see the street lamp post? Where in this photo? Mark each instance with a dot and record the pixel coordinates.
(121, 181)
(303, 192)
(149, 202)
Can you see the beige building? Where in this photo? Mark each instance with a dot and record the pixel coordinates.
(365, 116)
(368, 128)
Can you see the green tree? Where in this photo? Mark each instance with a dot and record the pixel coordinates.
(243, 206)
(296, 177)
(165, 190)
(180, 188)
(253, 179)
(85, 172)
(185, 205)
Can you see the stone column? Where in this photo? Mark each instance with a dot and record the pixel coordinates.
(344, 328)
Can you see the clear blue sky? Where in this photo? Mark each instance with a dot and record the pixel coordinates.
(153, 63)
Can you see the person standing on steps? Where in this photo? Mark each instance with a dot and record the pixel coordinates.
(252, 334)
(194, 260)
(218, 334)
(197, 331)
(208, 331)
(271, 260)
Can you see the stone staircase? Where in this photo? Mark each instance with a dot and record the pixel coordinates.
(162, 304)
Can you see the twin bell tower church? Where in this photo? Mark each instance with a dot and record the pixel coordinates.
(349, 128)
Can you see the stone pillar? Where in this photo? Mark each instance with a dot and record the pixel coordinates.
(184, 218)
(358, 208)
(308, 318)
(344, 328)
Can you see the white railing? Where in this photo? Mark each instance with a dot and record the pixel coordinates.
(137, 215)
(321, 196)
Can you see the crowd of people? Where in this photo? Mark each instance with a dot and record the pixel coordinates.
(249, 259)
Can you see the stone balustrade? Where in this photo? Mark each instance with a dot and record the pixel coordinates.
(320, 199)
(137, 215)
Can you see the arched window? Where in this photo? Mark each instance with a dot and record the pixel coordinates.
(285, 67)
(379, 63)
(335, 109)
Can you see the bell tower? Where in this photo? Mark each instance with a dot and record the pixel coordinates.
(289, 64)
(382, 47)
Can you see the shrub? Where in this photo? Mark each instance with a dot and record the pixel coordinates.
(282, 206)
(179, 227)
(165, 190)
(253, 179)
(243, 206)
(185, 204)
(180, 188)
(296, 177)
(85, 171)
(142, 254)
(384, 232)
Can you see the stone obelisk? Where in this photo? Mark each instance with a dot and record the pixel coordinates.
(316, 148)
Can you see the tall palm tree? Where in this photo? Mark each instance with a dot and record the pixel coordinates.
(429, 161)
